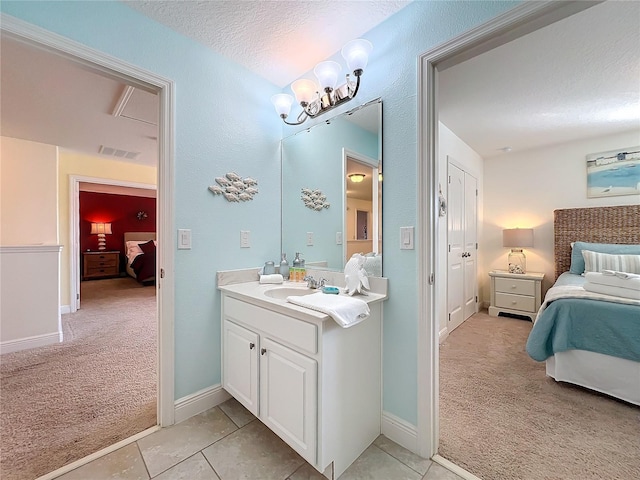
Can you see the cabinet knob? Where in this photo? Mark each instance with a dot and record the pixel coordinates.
(252, 346)
(263, 351)
(513, 286)
(514, 302)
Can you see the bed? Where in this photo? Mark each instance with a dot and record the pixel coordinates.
(140, 256)
(585, 341)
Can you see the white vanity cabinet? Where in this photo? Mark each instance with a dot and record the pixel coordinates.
(313, 383)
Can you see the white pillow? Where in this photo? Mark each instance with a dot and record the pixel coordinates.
(597, 262)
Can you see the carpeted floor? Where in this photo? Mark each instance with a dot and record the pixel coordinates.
(501, 418)
(62, 402)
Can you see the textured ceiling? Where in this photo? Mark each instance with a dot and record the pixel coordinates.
(574, 79)
(279, 40)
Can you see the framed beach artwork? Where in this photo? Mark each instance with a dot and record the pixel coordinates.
(614, 173)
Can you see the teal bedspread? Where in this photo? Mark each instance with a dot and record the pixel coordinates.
(584, 324)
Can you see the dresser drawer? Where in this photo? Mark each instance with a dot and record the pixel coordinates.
(93, 262)
(515, 302)
(296, 333)
(517, 286)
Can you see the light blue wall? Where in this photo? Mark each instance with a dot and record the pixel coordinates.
(224, 123)
(392, 76)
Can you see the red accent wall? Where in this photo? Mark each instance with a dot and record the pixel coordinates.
(119, 210)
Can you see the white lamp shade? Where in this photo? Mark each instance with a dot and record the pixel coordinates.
(356, 53)
(282, 102)
(101, 228)
(327, 73)
(304, 90)
(517, 237)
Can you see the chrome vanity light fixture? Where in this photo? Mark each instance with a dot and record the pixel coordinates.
(313, 102)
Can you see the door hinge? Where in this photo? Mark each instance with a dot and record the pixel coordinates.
(162, 273)
(449, 178)
(476, 192)
(476, 299)
(77, 296)
(449, 317)
(476, 246)
(432, 279)
(449, 248)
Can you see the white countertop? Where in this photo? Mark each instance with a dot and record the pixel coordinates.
(254, 292)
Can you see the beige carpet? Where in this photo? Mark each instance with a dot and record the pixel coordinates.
(501, 418)
(62, 402)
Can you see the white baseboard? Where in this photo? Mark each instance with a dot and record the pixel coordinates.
(199, 402)
(444, 333)
(65, 309)
(29, 342)
(400, 431)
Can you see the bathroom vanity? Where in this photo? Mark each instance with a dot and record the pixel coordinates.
(315, 384)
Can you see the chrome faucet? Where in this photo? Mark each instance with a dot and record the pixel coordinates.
(313, 283)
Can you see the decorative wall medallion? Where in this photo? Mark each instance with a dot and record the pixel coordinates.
(314, 199)
(235, 188)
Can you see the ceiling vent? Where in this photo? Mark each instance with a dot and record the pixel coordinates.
(119, 153)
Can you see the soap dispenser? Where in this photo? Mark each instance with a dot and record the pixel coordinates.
(284, 267)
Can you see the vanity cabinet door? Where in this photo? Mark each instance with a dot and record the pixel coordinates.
(240, 365)
(289, 396)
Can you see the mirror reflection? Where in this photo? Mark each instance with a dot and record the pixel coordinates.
(332, 190)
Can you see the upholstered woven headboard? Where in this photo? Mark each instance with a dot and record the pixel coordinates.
(619, 224)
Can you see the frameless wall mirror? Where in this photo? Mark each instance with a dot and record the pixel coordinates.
(332, 190)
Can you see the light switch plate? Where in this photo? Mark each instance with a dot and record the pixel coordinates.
(184, 239)
(338, 238)
(406, 238)
(309, 239)
(245, 236)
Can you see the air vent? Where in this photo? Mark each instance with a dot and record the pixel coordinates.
(117, 152)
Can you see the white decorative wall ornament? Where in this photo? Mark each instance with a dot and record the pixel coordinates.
(235, 188)
(314, 199)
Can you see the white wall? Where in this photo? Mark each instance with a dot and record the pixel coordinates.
(523, 189)
(28, 195)
(451, 148)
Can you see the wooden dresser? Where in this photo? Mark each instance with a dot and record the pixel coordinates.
(100, 264)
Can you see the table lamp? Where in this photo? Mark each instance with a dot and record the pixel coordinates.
(516, 239)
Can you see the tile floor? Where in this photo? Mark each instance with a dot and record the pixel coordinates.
(228, 443)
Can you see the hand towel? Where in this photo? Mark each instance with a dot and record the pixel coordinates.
(613, 291)
(632, 282)
(273, 278)
(346, 311)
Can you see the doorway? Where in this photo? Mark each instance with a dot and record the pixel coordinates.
(107, 66)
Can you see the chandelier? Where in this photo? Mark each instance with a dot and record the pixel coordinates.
(314, 101)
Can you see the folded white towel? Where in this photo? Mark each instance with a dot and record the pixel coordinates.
(273, 278)
(631, 283)
(613, 291)
(346, 311)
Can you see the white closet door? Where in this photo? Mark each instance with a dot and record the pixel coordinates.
(470, 239)
(456, 245)
(462, 263)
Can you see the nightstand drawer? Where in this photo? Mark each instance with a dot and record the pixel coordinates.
(515, 302)
(517, 286)
(101, 263)
(102, 271)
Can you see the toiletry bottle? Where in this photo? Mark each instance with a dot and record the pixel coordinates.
(284, 267)
(269, 268)
(302, 270)
(295, 269)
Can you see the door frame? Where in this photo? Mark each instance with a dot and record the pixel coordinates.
(514, 23)
(117, 69)
(74, 227)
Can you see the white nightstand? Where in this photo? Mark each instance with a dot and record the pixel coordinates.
(515, 293)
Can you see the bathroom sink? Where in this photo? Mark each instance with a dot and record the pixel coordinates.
(281, 293)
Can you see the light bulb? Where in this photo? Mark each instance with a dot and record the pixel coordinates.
(282, 102)
(356, 53)
(327, 73)
(304, 90)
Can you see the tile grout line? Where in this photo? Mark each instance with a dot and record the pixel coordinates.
(210, 464)
(144, 462)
